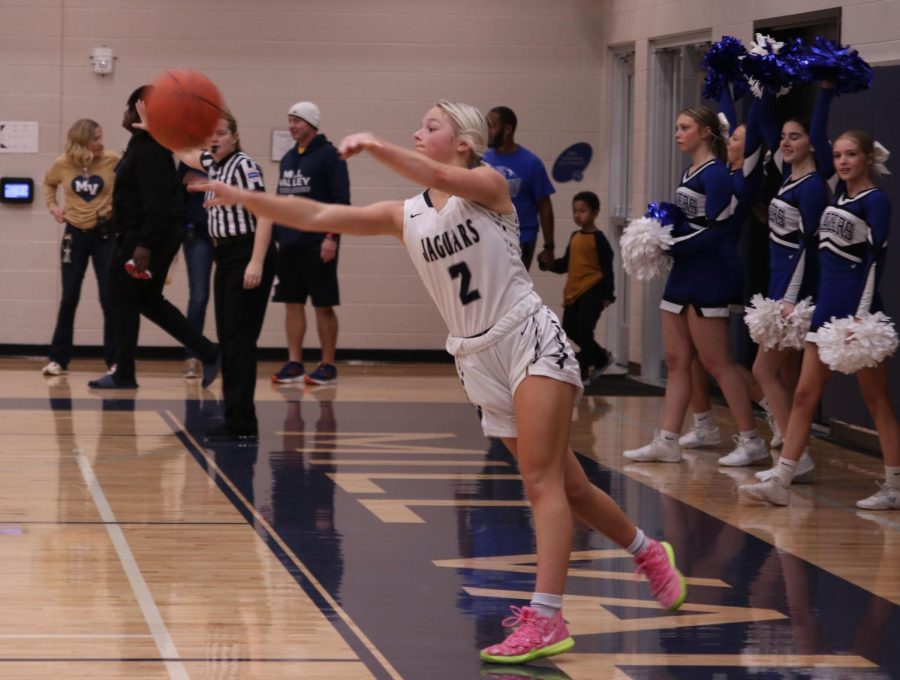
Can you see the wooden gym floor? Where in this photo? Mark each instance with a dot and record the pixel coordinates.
(374, 533)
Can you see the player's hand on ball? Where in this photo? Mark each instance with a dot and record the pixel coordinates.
(357, 143)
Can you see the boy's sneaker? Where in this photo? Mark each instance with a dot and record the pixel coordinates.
(803, 473)
(53, 368)
(769, 492)
(657, 563)
(658, 451)
(747, 452)
(701, 436)
(325, 374)
(534, 637)
(291, 372)
(886, 498)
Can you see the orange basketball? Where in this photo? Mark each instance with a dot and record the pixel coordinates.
(183, 108)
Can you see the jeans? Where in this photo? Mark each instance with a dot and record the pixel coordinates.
(77, 248)
(198, 258)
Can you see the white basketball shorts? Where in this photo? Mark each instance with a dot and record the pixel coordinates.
(490, 375)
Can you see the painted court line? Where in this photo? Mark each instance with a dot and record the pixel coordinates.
(164, 642)
(213, 468)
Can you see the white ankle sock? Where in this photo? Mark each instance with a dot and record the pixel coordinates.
(546, 604)
(639, 543)
(892, 476)
(669, 437)
(749, 434)
(784, 471)
(703, 420)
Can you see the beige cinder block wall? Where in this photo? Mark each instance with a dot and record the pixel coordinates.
(374, 65)
(369, 64)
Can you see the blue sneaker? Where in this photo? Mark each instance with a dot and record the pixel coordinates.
(325, 374)
(291, 372)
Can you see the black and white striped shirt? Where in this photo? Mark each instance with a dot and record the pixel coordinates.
(241, 171)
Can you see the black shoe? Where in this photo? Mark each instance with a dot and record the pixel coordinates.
(225, 433)
(211, 370)
(110, 382)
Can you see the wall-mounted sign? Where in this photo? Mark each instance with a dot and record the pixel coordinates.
(18, 136)
(282, 142)
(572, 163)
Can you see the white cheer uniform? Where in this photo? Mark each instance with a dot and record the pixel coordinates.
(468, 257)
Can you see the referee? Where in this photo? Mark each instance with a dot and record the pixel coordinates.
(245, 269)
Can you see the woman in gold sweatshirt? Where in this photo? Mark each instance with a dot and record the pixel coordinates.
(86, 173)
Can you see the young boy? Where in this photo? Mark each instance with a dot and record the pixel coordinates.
(589, 286)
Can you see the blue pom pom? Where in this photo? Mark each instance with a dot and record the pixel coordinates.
(842, 66)
(723, 66)
(773, 66)
(666, 214)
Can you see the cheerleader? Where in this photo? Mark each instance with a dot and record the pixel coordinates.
(743, 156)
(697, 297)
(853, 233)
(515, 362)
(803, 158)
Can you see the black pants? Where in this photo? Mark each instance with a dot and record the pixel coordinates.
(239, 318)
(528, 253)
(130, 298)
(579, 321)
(78, 247)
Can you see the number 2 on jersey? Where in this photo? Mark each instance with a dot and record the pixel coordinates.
(461, 270)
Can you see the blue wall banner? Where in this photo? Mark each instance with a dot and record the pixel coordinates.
(572, 163)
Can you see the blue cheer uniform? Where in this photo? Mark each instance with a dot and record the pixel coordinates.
(853, 235)
(700, 274)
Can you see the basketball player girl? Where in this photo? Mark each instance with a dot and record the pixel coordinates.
(514, 360)
(853, 234)
(804, 164)
(696, 300)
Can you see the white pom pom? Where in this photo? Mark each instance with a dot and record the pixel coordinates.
(644, 245)
(849, 344)
(796, 325)
(764, 321)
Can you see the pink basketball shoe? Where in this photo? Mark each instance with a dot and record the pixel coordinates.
(534, 637)
(657, 563)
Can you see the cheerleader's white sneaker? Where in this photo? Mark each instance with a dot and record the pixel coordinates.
(660, 450)
(699, 437)
(746, 452)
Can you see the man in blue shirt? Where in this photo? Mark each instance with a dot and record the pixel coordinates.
(529, 186)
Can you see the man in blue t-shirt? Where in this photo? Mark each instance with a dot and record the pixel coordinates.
(529, 186)
(307, 261)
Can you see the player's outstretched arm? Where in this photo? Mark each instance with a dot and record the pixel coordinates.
(385, 218)
(483, 185)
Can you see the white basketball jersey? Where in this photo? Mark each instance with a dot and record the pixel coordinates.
(469, 260)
